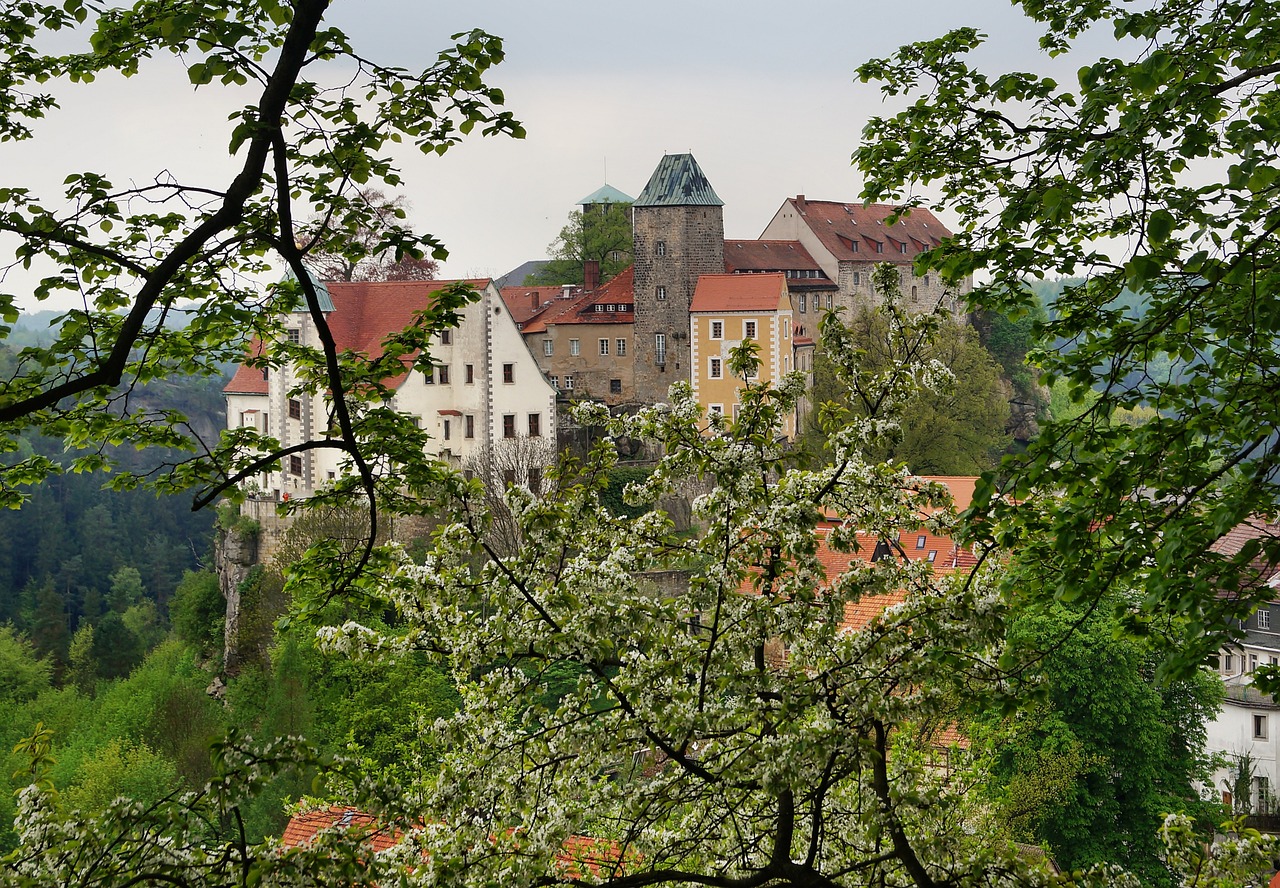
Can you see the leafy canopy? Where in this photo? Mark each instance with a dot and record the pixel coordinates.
(1156, 170)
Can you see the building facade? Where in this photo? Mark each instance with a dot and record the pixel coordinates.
(728, 310)
(848, 240)
(481, 388)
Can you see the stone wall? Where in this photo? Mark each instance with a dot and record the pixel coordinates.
(673, 245)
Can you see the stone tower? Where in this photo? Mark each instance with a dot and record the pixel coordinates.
(678, 226)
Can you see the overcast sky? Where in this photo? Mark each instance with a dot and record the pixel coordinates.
(762, 94)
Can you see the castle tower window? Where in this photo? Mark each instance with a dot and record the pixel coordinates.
(660, 348)
(295, 408)
(295, 335)
(660, 294)
(660, 249)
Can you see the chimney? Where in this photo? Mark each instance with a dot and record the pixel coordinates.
(591, 274)
(533, 297)
(566, 291)
(800, 203)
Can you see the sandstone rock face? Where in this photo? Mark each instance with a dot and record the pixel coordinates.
(235, 554)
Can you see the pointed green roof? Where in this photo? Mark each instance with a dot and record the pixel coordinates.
(322, 292)
(605, 194)
(678, 182)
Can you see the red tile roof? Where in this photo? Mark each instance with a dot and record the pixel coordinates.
(302, 828)
(767, 255)
(738, 292)
(580, 307)
(580, 855)
(365, 314)
(249, 380)
(525, 302)
(851, 231)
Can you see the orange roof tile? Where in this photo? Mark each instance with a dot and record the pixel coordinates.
(851, 231)
(302, 828)
(738, 292)
(580, 853)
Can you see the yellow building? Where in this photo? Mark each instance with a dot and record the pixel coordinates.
(726, 310)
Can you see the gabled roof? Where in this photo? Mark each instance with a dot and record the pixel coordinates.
(302, 828)
(604, 194)
(249, 380)
(364, 313)
(525, 303)
(851, 231)
(367, 312)
(579, 308)
(738, 292)
(678, 182)
(322, 291)
(767, 255)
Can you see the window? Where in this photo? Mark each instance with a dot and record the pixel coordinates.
(622, 348)
(295, 408)
(857, 278)
(879, 246)
(446, 337)
(604, 347)
(717, 329)
(926, 280)
(660, 248)
(295, 465)
(660, 294)
(714, 369)
(615, 386)
(749, 328)
(508, 373)
(535, 479)
(468, 474)
(933, 555)
(295, 335)
(830, 302)
(1260, 727)
(915, 296)
(1253, 662)
(469, 426)
(442, 373)
(1264, 619)
(471, 374)
(902, 247)
(555, 382)
(660, 348)
(1227, 664)
(568, 383)
(535, 425)
(717, 409)
(547, 347)
(804, 304)
(508, 425)
(508, 477)
(447, 427)
(920, 541)
(575, 347)
(428, 375)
